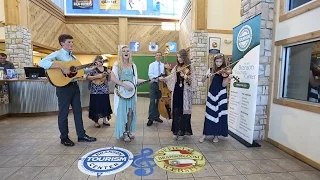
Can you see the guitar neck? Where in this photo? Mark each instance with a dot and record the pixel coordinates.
(90, 64)
(85, 66)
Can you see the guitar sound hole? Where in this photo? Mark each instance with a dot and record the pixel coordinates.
(72, 74)
(73, 69)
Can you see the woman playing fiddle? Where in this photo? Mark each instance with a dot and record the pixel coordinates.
(181, 83)
(216, 122)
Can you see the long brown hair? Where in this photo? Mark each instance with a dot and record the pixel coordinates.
(184, 55)
(224, 63)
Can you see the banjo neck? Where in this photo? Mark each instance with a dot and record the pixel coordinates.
(139, 84)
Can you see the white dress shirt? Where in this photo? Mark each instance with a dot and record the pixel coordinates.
(155, 69)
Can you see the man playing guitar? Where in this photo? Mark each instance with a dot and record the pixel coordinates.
(69, 94)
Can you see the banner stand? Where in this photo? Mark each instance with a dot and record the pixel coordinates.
(254, 144)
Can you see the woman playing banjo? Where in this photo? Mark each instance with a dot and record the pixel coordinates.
(125, 108)
(99, 106)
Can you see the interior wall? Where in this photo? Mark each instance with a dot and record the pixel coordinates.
(230, 11)
(294, 128)
(223, 14)
(45, 23)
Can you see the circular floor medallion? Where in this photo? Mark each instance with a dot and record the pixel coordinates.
(179, 159)
(105, 161)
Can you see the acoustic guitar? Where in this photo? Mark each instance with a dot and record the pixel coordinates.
(57, 78)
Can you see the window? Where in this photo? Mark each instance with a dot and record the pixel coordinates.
(301, 72)
(296, 3)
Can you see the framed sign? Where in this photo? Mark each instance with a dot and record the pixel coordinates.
(169, 9)
(214, 45)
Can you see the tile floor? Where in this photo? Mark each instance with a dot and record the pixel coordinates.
(30, 149)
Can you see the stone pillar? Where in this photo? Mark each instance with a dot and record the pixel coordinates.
(19, 47)
(199, 54)
(249, 9)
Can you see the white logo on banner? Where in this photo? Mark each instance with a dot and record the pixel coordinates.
(105, 161)
(244, 38)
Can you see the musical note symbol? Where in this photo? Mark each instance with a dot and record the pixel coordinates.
(142, 162)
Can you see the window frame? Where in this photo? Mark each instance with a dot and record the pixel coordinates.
(286, 14)
(279, 75)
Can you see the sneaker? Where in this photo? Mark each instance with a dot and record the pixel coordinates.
(174, 137)
(215, 139)
(180, 138)
(203, 137)
(126, 138)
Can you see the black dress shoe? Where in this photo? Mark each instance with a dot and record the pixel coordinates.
(67, 142)
(159, 120)
(86, 138)
(150, 122)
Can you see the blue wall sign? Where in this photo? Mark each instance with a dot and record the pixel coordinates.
(173, 46)
(134, 46)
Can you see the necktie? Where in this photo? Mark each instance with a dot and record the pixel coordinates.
(158, 71)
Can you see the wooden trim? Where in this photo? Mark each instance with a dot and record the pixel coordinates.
(43, 46)
(282, 8)
(294, 154)
(2, 24)
(297, 104)
(277, 64)
(90, 20)
(123, 31)
(297, 39)
(199, 14)
(274, 50)
(51, 8)
(186, 11)
(2, 40)
(298, 11)
(220, 31)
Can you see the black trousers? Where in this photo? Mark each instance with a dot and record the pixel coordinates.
(155, 95)
(69, 95)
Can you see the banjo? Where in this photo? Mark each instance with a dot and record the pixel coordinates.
(125, 94)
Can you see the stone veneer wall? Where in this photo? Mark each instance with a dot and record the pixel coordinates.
(198, 53)
(251, 8)
(19, 47)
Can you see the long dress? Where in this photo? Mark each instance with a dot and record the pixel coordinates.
(99, 106)
(216, 121)
(124, 106)
(181, 124)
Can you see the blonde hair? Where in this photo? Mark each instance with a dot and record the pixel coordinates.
(120, 60)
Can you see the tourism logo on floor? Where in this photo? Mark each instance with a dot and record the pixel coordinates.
(179, 159)
(105, 161)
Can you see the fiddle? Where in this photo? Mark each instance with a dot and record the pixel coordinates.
(225, 72)
(185, 71)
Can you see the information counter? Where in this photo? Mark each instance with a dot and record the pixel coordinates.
(37, 96)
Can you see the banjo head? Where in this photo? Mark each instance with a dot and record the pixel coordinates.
(123, 93)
